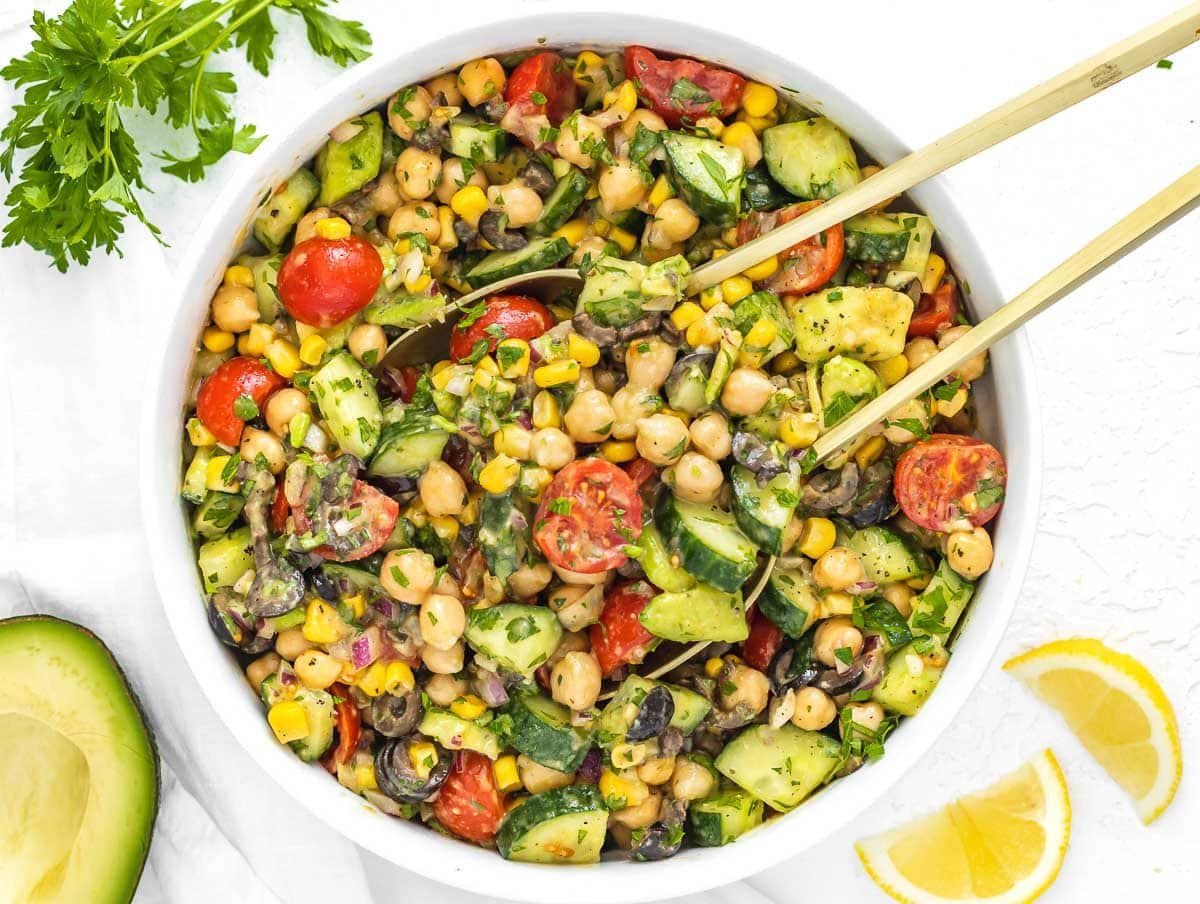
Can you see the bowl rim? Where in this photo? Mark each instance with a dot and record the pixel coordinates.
(414, 847)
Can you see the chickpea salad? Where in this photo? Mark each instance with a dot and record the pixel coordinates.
(574, 586)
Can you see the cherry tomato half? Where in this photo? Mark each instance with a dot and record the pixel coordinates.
(763, 643)
(619, 638)
(324, 281)
(935, 312)
(371, 516)
(349, 725)
(946, 478)
(542, 84)
(468, 804)
(279, 510)
(683, 89)
(504, 317)
(216, 401)
(588, 514)
(805, 266)
(640, 470)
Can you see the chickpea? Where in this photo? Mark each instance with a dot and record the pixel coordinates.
(445, 689)
(867, 716)
(746, 391)
(385, 196)
(661, 438)
(974, 367)
(590, 417)
(257, 442)
(918, 351)
(814, 710)
(481, 80)
(674, 222)
(235, 308)
(407, 575)
(577, 606)
(900, 596)
(454, 176)
(443, 662)
(621, 187)
(897, 435)
(572, 642)
(649, 361)
(307, 227)
(833, 634)
(838, 569)
(697, 478)
(744, 688)
(408, 110)
(443, 491)
(420, 217)
(530, 580)
(291, 643)
(316, 669)
(631, 403)
(445, 84)
(552, 449)
(641, 116)
(577, 577)
(591, 248)
(691, 781)
(969, 552)
(284, 405)
(711, 435)
(657, 770)
(644, 814)
(576, 133)
(575, 681)
(264, 666)
(538, 778)
(519, 203)
(443, 620)
(367, 343)
(417, 172)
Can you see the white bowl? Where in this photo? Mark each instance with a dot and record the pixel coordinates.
(1010, 421)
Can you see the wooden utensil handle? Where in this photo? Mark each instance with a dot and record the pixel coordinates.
(1107, 248)
(1081, 81)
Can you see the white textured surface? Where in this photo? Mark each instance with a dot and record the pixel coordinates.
(1118, 366)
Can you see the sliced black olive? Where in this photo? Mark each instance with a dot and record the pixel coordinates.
(793, 666)
(432, 137)
(494, 109)
(653, 715)
(493, 227)
(588, 328)
(396, 777)
(395, 716)
(278, 585)
(759, 457)
(465, 232)
(538, 177)
(874, 501)
(658, 842)
(324, 585)
(833, 682)
(829, 490)
(230, 620)
(643, 326)
(670, 742)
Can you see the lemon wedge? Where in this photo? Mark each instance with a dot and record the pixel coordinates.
(1118, 711)
(1002, 845)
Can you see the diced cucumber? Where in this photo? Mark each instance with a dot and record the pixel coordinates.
(920, 244)
(455, 733)
(618, 715)
(406, 449)
(656, 562)
(868, 323)
(502, 543)
(779, 766)
(811, 158)
(283, 210)
(517, 636)
(765, 306)
(346, 396)
(346, 166)
(271, 690)
(937, 609)
(710, 546)
(562, 202)
(223, 560)
(195, 478)
(563, 825)
(477, 140)
(877, 237)
(542, 730)
(266, 292)
(790, 600)
(612, 292)
(846, 385)
(540, 254)
(763, 513)
(707, 174)
(404, 309)
(318, 707)
(699, 613)
(885, 555)
(216, 513)
(722, 367)
(723, 817)
(900, 691)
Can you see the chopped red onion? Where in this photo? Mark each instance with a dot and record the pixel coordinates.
(365, 648)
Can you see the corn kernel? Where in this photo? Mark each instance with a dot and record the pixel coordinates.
(499, 474)
(799, 431)
(626, 241)
(416, 513)
(573, 231)
(713, 666)
(759, 99)
(321, 623)
(711, 125)
(470, 203)
(371, 681)
(422, 756)
(556, 373)
(508, 779)
(470, 512)
(686, 314)
(284, 358)
(214, 472)
(735, 289)
(441, 378)
(619, 451)
(758, 123)
(601, 227)
(935, 269)
(441, 365)
(952, 406)
(217, 340)
(356, 604)
(398, 678)
(534, 482)
(786, 363)
(418, 283)
(513, 358)
(586, 63)
(254, 342)
(512, 440)
(741, 136)
(703, 332)
(711, 297)
(623, 97)
(199, 434)
(483, 378)
(312, 349)
(289, 721)
(675, 412)
(868, 453)
(468, 706)
(364, 776)
(239, 275)
(764, 270)
(546, 411)
(445, 527)
(659, 192)
(622, 791)
(585, 351)
(718, 252)
(918, 583)
(891, 370)
(816, 537)
(332, 228)
(762, 334)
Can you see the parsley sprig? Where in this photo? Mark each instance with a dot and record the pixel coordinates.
(99, 61)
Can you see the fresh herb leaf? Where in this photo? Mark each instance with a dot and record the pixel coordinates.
(946, 391)
(245, 407)
(685, 92)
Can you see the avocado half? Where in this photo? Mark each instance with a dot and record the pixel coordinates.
(79, 775)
